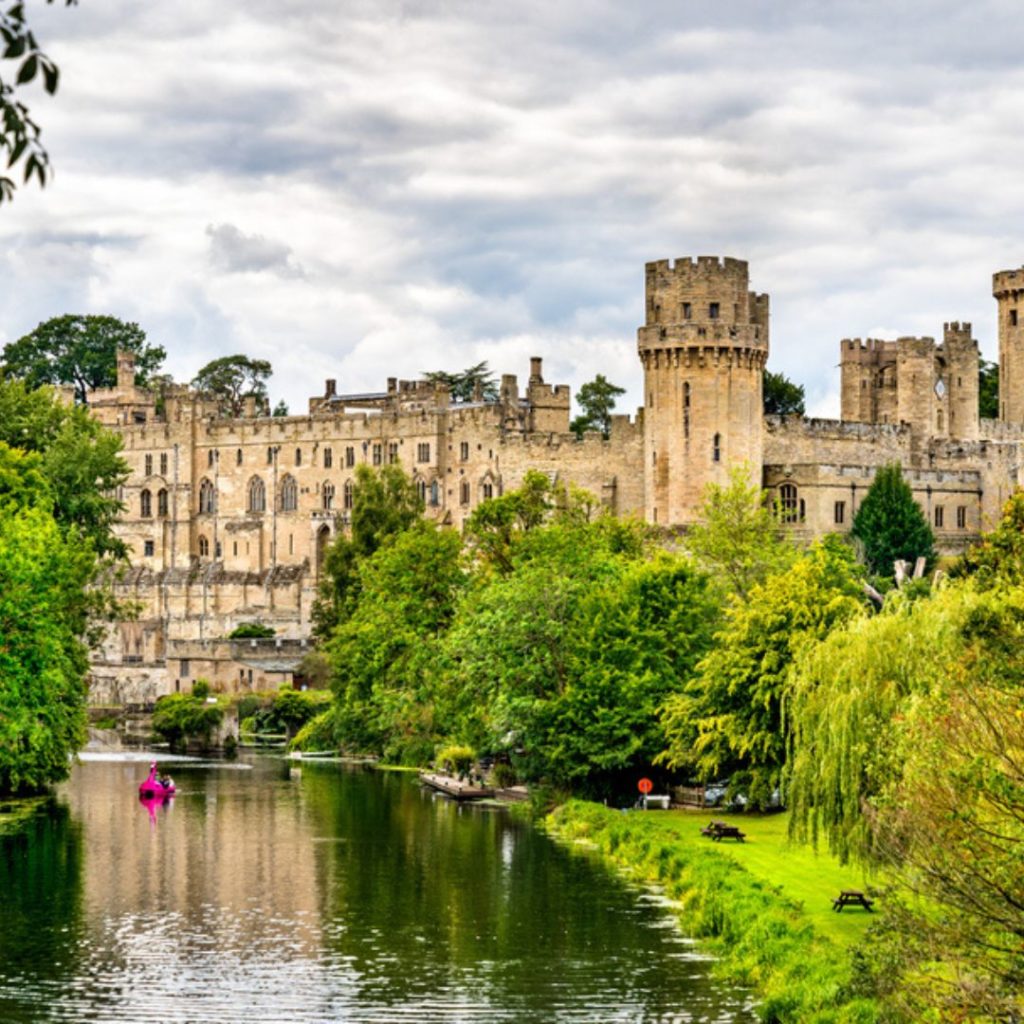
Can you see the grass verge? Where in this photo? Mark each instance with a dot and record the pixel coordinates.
(750, 904)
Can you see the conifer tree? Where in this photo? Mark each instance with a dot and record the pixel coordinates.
(891, 525)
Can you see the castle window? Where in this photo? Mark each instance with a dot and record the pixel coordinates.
(146, 504)
(298, 456)
(421, 490)
(961, 517)
(435, 494)
(393, 452)
(716, 449)
(464, 450)
(207, 497)
(210, 457)
(789, 503)
(1013, 318)
(234, 548)
(423, 452)
(687, 311)
(328, 458)
(377, 452)
(713, 311)
(238, 457)
(327, 496)
(148, 548)
(163, 463)
(161, 502)
(217, 550)
(257, 495)
(464, 493)
(149, 465)
(350, 457)
(289, 494)
(939, 515)
(347, 494)
(270, 456)
(840, 512)
(204, 552)
(686, 409)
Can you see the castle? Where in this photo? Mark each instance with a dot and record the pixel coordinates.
(228, 520)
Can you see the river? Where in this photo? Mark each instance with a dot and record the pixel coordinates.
(265, 891)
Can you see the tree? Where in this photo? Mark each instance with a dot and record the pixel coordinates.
(999, 556)
(739, 537)
(781, 396)
(891, 525)
(19, 133)
(988, 390)
(281, 409)
(597, 399)
(464, 386)
(80, 350)
(230, 380)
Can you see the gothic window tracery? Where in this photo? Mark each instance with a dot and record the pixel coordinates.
(161, 502)
(289, 494)
(257, 495)
(146, 504)
(207, 497)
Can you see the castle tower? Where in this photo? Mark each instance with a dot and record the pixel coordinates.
(125, 369)
(960, 355)
(703, 348)
(1008, 290)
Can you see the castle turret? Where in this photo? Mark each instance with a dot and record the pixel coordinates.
(703, 349)
(960, 353)
(1008, 290)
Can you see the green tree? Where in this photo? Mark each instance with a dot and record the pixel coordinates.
(82, 351)
(596, 399)
(781, 396)
(729, 719)
(19, 133)
(465, 385)
(230, 380)
(999, 556)
(891, 525)
(988, 390)
(281, 409)
(739, 537)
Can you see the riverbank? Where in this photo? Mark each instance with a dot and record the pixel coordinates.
(762, 907)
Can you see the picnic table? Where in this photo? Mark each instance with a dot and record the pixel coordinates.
(719, 830)
(851, 898)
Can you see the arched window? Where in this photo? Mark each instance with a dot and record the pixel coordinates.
(146, 504)
(161, 502)
(204, 548)
(289, 494)
(257, 495)
(487, 490)
(207, 496)
(716, 449)
(238, 457)
(327, 495)
(790, 503)
(323, 542)
(347, 494)
(435, 493)
(298, 456)
(421, 490)
(464, 492)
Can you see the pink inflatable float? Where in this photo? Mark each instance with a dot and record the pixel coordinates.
(154, 785)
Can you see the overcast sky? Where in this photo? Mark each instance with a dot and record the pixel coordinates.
(368, 189)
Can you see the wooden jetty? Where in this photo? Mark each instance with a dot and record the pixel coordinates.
(455, 788)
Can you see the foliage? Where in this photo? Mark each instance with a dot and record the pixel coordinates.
(999, 556)
(384, 503)
(314, 669)
(596, 399)
(455, 759)
(292, 709)
(739, 537)
(230, 380)
(19, 133)
(281, 409)
(729, 719)
(80, 350)
(465, 386)
(781, 396)
(317, 735)
(183, 717)
(891, 525)
(988, 390)
(201, 688)
(251, 631)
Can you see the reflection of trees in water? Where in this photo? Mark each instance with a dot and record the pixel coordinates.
(41, 907)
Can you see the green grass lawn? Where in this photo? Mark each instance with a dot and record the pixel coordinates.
(811, 878)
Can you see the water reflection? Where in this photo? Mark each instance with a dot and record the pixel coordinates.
(325, 894)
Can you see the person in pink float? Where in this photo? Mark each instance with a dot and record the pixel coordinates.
(154, 785)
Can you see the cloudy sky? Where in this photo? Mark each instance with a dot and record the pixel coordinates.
(369, 188)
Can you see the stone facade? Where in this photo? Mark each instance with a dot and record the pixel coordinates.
(228, 520)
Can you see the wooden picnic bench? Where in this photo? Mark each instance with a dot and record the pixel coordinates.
(719, 830)
(851, 898)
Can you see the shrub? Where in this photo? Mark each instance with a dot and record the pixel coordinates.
(316, 735)
(201, 688)
(251, 631)
(293, 708)
(180, 717)
(454, 759)
(504, 775)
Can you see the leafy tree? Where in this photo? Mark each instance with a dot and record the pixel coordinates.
(281, 409)
(999, 556)
(988, 390)
(230, 380)
(597, 399)
(19, 133)
(82, 351)
(891, 525)
(384, 503)
(781, 396)
(729, 719)
(464, 386)
(739, 537)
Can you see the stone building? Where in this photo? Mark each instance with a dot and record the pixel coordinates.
(228, 520)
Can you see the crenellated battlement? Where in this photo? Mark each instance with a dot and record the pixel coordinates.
(1006, 282)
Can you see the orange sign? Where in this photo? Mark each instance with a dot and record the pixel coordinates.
(645, 786)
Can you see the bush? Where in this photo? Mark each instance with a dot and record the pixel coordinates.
(201, 688)
(180, 717)
(454, 759)
(251, 631)
(504, 775)
(292, 709)
(316, 735)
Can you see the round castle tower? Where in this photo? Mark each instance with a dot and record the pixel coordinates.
(703, 348)
(1008, 290)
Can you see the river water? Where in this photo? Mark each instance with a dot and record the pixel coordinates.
(265, 892)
